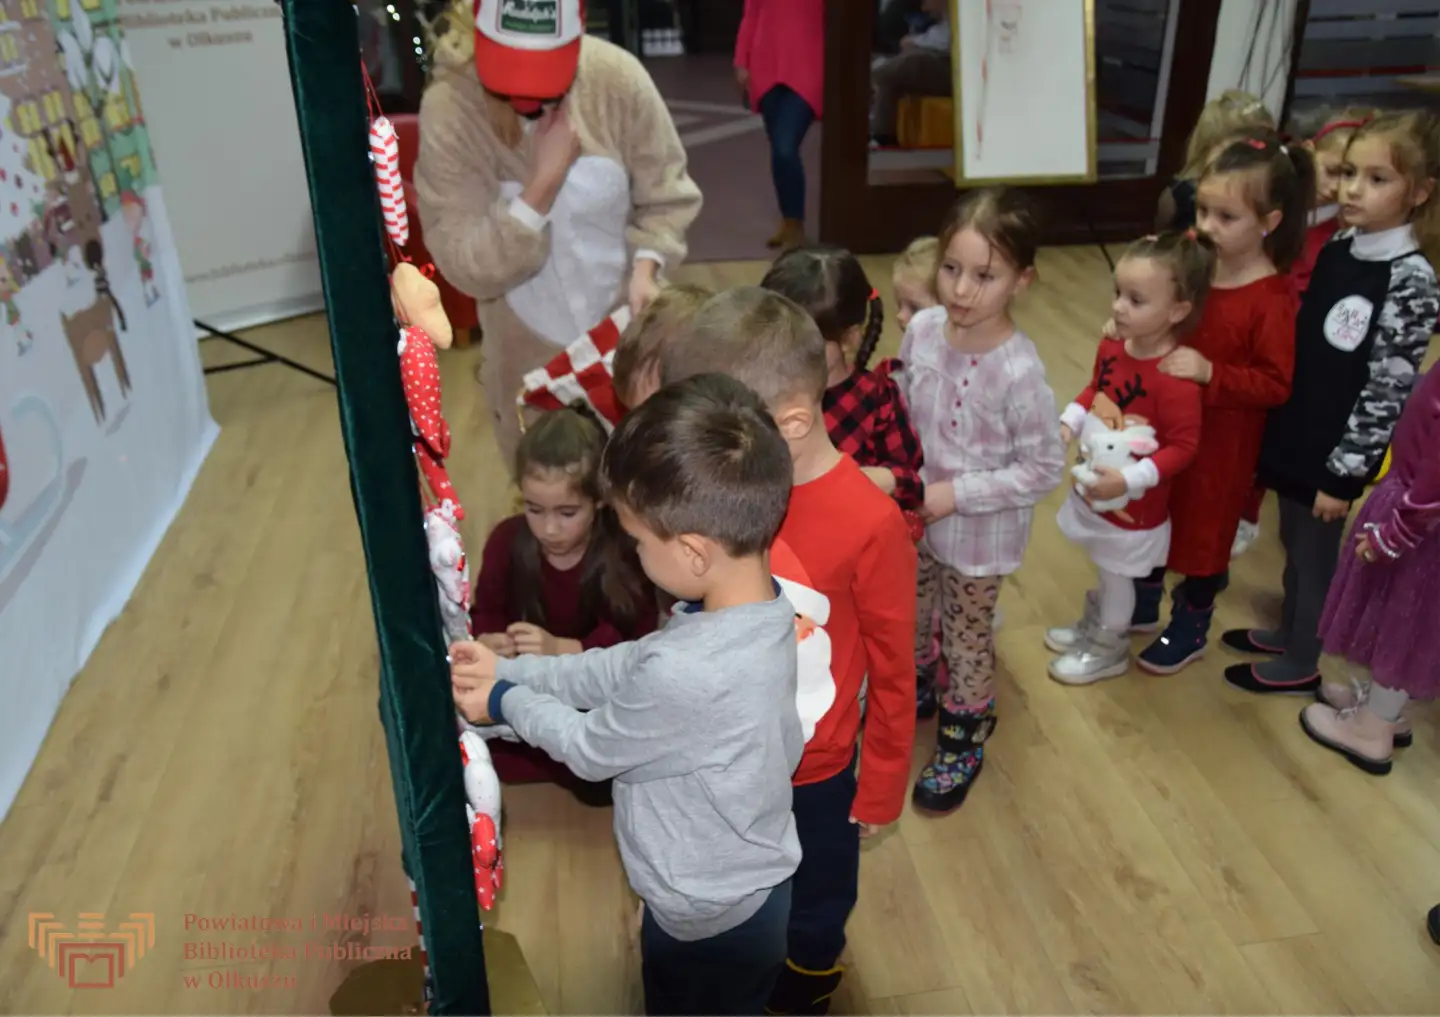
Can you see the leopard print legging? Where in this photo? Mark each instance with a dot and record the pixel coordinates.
(967, 638)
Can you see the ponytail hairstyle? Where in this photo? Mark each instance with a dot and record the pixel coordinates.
(571, 442)
(1229, 113)
(1413, 137)
(1275, 177)
(1189, 257)
(831, 286)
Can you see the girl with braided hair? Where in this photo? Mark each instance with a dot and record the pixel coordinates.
(864, 413)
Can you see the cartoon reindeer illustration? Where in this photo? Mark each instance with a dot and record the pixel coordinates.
(91, 332)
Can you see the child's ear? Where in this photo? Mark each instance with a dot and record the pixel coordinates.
(1271, 222)
(697, 553)
(1180, 311)
(850, 341)
(1423, 193)
(1026, 278)
(795, 422)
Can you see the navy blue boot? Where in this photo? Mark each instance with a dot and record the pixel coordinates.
(1148, 595)
(1183, 641)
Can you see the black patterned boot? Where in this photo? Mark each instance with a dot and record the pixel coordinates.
(927, 700)
(799, 991)
(958, 760)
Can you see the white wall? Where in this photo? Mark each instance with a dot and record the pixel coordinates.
(1269, 68)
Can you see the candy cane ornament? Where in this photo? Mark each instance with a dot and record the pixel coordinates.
(385, 154)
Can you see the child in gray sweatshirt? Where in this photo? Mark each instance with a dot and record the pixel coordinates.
(697, 723)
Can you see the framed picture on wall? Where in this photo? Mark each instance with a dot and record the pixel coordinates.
(1024, 80)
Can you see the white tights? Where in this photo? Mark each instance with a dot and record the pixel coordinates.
(1117, 601)
(1387, 704)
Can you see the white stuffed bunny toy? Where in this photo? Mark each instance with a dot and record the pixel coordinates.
(452, 571)
(1100, 446)
(482, 809)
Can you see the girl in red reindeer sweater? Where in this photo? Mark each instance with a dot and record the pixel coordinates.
(1160, 288)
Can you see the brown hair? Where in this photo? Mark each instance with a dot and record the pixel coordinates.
(1229, 113)
(918, 261)
(1414, 140)
(571, 441)
(757, 336)
(702, 456)
(1189, 257)
(1275, 177)
(663, 319)
(1003, 216)
(830, 284)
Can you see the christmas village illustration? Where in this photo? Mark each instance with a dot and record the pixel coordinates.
(74, 155)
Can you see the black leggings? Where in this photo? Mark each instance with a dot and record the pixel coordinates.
(1200, 591)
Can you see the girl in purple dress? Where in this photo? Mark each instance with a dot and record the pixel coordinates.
(1383, 611)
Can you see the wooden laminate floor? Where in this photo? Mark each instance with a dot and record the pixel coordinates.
(1146, 845)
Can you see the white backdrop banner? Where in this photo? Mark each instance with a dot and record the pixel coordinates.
(103, 415)
(221, 115)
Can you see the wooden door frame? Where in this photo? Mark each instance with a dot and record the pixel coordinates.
(878, 218)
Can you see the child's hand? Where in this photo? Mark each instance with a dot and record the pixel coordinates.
(883, 478)
(867, 830)
(1109, 484)
(1066, 435)
(1328, 508)
(1364, 550)
(533, 639)
(1109, 330)
(471, 662)
(1104, 409)
(939, 501)
(1188, 365)
(473, 699)
(500, 643)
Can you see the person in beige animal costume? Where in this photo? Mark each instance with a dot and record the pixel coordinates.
(552, 184)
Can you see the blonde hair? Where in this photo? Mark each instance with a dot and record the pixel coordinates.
(664, 319)
(1414, 140)
(1230, 113)
(917, 262)
(1189, 257)
(757, 337)
(1338, 128)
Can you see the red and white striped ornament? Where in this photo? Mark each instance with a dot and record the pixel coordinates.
(385, 154)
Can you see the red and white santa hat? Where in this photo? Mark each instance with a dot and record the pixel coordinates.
(528, 49)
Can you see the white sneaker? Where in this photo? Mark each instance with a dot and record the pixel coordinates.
(1064, 638)
(1104, 655)
(1244, 537)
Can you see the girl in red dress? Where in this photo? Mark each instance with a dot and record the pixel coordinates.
(1251, 202)
(561, 578)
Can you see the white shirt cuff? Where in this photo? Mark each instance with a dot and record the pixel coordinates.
(645, 254)
(1140, 477)
(527, 216)
(1074, 417)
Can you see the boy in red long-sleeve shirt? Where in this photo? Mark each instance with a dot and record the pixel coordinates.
(853, 544)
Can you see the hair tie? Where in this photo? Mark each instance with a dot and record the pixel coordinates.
(1191, 234)
(1150, 238)
(874, 294)
(1256, 144)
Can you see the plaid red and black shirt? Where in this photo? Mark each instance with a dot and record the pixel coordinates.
(867, 420)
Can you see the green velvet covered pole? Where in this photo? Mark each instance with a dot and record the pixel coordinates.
(416, 709)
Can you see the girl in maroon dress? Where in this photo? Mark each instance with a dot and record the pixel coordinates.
(562, 577)
(1251, 202)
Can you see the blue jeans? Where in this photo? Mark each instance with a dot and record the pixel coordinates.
(730, 974)
(828, 880)
(787, 119)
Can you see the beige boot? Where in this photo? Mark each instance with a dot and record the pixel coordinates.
(1359, 735)
(1343, 696)
(789, 236)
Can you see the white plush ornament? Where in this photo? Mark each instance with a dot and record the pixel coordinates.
(1100, 446)
(452, 571)
(482, 810)
(385, 154)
